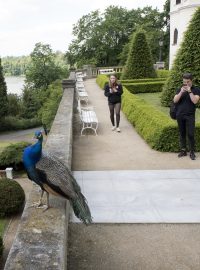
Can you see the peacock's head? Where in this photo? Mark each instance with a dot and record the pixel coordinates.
(38, 135)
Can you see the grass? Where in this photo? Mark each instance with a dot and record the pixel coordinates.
(154, 99)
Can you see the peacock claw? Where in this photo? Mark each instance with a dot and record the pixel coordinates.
(36, 205)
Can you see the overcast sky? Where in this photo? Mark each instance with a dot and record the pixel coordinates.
(23, 23)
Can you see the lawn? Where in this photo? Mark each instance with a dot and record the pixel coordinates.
(154, 99)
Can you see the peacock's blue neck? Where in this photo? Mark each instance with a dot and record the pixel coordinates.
(32, 154)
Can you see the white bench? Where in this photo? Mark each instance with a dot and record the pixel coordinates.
(79, 79)
(88, 118)
(82, 96)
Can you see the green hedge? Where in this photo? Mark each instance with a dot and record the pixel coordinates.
(15, 123)
(144, 87)
(12, 197)
(143, 80)
(49, 109)
(157, 129)
(11, 156)
(162, 73)
(101, 80)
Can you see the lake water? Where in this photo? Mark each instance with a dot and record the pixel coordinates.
(14, 84)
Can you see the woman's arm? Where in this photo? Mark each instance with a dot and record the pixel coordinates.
(107, 90)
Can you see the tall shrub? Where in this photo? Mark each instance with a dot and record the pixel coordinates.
(139, 63)
(3, 94)
(187, 60)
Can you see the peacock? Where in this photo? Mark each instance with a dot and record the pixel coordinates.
(53, 176)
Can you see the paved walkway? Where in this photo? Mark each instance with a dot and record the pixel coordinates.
(150, 196)
(126, 181)
(119, 151)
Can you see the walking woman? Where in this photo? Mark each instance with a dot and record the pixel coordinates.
(113, 90)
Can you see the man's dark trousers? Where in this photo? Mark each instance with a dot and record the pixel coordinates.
(186, 124)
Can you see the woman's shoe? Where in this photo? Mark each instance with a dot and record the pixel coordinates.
(118, 129)
(113, 128)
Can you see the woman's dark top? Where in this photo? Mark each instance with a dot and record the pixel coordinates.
(115, 97)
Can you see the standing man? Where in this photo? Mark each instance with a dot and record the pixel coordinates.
(186, 98)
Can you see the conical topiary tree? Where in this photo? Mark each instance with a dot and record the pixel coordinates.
(3, 94)
(187, 60)
(139, 63)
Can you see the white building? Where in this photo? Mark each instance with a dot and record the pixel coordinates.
(181, 12)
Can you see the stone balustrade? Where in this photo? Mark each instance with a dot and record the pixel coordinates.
(41, 240)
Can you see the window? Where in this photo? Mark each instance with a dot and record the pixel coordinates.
(175, 36)
(178, 2)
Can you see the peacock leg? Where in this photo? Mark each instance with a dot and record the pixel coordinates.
(38, 204)
(47, 206)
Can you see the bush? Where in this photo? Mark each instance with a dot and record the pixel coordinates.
(162, 73)
(12, 197)
(147, 87)
(101, 80)
(16, 123)
(12, 155)
(187, 60)
(139, 63)
(144, 80)
(1, 247)
(157, 129)
(49, 109)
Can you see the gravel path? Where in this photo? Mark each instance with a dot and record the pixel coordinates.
(127, 246)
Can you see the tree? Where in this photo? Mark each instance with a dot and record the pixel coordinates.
(100, 38)
(165, 36)
(14, 105)
(3, 94)
(139, 62)
(42, 70)
(187, 60)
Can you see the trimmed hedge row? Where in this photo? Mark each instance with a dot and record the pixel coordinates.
(144, 87)
(157, 129)
(101, 80)
(143, 80)
(162, 73)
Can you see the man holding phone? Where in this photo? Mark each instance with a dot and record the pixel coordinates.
(186, 98)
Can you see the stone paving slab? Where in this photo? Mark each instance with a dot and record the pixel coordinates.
(135, 196)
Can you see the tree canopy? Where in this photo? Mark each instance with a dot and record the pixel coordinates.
(42, 70)
(3, 94)
(100, 37)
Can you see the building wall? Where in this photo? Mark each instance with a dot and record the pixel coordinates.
(180, 16)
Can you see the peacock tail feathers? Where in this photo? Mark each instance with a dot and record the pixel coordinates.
(61, 179)
(81, 208)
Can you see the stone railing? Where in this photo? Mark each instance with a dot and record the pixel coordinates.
(92, 72)
(41, 240)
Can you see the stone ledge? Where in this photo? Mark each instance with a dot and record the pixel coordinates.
(41, 239)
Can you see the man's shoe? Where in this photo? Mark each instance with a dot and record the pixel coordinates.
(118, 129)
(183, 153)
(192, 155)
(113, 128)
